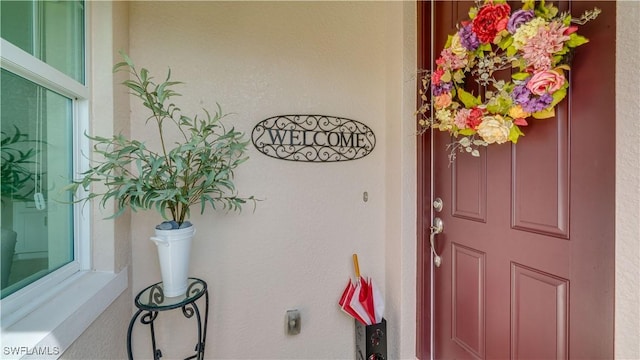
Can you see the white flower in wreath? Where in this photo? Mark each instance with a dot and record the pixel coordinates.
(457, 48)
(527, 31)
(445, 119)
(495, 129)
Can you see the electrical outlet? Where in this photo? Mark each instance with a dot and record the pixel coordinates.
(293, 323)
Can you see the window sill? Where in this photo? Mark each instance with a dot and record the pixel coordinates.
(46, 332)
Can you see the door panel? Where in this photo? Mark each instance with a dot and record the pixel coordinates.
(545, 212)
(528, 242)
(470, 202)
(467, 300)
(539, 306)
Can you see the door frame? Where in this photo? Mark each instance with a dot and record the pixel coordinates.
(424, 195)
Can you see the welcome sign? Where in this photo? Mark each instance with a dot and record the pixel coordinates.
(313, 138)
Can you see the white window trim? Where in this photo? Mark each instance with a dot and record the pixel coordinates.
(27, 66)
(23, 64)
(42, 320)
(45, 333)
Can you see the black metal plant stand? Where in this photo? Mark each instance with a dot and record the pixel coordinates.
(152, 301)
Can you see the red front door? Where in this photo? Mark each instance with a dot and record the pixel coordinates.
(528, 230)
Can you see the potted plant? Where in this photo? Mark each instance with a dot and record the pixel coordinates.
(197, 169)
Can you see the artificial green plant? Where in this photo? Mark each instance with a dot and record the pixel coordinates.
(196, 170)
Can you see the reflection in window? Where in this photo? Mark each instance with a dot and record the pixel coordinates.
(51, 31)
(37, 218)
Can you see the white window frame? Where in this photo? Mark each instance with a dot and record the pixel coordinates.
(28, 67)
(43, 319)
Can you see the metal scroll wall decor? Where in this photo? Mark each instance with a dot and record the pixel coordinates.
(313, 138)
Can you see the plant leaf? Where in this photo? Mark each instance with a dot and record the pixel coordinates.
(545, 114)
(520, 76)
(576, 40)
(468, 99)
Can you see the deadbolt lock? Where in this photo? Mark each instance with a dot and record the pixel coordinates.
(438, 204)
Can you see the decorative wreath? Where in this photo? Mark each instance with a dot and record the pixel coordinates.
(535, 42)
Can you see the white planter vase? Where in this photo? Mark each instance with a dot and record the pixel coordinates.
(174, 248)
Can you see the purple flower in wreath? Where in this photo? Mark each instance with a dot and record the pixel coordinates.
(442, 88)
(468, 38)
(520, 93)
(518, 18)
(537, 103)
(530, 102)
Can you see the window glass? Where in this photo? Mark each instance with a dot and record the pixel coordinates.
(37, 217)
(52, 31)
(37, 148)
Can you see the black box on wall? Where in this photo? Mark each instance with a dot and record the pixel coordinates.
(371, 341)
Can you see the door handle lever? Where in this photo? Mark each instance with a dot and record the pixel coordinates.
(436, 229)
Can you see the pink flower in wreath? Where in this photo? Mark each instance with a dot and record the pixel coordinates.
(538, 50)
(450, 60)
(461, 118)
(491, 19)
(437, 75)
(555, 35)
(545, 82)
(443, 100)
(468, 118)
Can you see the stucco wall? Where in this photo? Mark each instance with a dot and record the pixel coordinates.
(258, 60)
(627, 181)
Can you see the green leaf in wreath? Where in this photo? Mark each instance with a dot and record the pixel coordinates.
(558, 96)
(547, 11)
(500, 104)
(520, 76)
(528, 4)
(468, 99)
(466, 132)
(545, 114)
(576, 40)
(505, 42)
(563, 51)
(448, 43)
(458, 76)
(515, 133)
(446, 77)
(519, 63)
(473, 12)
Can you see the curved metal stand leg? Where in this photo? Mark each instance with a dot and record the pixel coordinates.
(199, 345)
(148, 319)
(206, 321)
(202, 332)
(188, 310)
